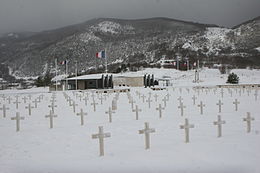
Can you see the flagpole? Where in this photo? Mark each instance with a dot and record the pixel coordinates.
(76, 75)
(66, 65)
(56, 88)
(106, 58)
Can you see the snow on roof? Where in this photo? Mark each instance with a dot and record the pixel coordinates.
(89, 76)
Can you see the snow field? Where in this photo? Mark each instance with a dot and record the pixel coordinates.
(68, 147)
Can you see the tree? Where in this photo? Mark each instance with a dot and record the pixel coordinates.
(233, 78)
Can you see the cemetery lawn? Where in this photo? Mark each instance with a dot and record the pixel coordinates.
(69, 147)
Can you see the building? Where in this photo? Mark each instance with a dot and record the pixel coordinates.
(128, 80)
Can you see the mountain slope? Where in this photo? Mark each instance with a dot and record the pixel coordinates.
(126, 41)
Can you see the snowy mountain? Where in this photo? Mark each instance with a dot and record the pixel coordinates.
(129, 42)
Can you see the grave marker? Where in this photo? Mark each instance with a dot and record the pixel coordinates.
(110, 112)
(24, 99)
(136, 110)
(81, 114)
(181, 107)
(17, 103)
(248, 120)
(101, 135)
(156, 97)
(29, 107)
(4, 108)
(236, 102)
(52, 106)
(194, 99)
(146, 131)
(187, 127)
(219, 123)
(18, 118)
(74, 106)
(51, 116)
(94, 105)
(201, 105)
(149, 101)
(160, 108)
(219, 104)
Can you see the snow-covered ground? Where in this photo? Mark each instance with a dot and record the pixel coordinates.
(69, 147)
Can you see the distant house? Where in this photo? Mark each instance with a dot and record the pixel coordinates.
(93, 81)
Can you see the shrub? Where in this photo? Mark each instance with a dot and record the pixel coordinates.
(233, 78)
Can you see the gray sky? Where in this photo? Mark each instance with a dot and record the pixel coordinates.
(38, 15)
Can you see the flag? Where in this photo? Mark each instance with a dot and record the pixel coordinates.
(64, 62)
(101, 54)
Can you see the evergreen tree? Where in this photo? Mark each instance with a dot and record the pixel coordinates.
(233, 78)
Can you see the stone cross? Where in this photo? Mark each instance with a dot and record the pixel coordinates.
(110, 112)
(143, 97)
(201, 105)
(156, 96)
(86, 101)
(149, 101)
(168, 96)
(194, 99)
(9, 99)
(114, 104)
(29, 107)
(51, 116)
(24, 99)
(180, 99)
(146, 131)
(136, 110)
(248, 120)
(256, 95)
(35, 103)
(187, 127)
(181, 107)
(160, 108)
(18, 118)
(219, 123)
(236, 104)
(222, 92)
(101, 135)
(4, 108)
(132, 103)
(101, 99)
(74, 106)
(30, 96)
(80, 97)
(17, 97)
(219, 104)
(164, 101)
(52, 106)
(94, 105)
(17, 103)
(81, 114)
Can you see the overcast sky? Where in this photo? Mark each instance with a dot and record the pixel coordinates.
(38, 15)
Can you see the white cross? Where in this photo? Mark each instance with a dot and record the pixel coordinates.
(149, 101)
(4, 108)
(132, 103)
(160, 108)
(74, 106)
(143, 97)
(219, 123)
(180, 99)
(136, 110)
(187, 127)
(17, 97)
(248, 120)
(81, 114)
(101, 99)
(17, 103)
(114, 104)
(52, 106)
(18, 118)
(29, 107)
(164, 101)
(109, 112)
(201, 105)
(94, 105)
(24, 99)
(51, 116)
(219, 104)
(181, 107)
(168, 96)
(236, 102)
(86, 101)
(156, 96)
(101, 135)
(9, 99)
(222, 92)
(194, 99)
(256, 95)
(35, 103)
(146, 131)
(80, 97)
